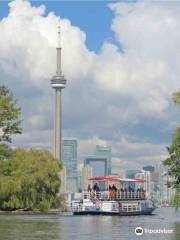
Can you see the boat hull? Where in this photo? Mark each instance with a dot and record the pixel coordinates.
(148, 211)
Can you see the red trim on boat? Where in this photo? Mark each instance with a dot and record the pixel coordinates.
(117, 179)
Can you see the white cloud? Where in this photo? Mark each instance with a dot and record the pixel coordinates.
(89, 145)
(147, 70)
(107, 93)
(126, 152)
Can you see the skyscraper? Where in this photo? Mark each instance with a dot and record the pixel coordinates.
(104, 151)
(99, 165)
(70, 163)
(58, 82)
(146, 175)
(166, 193)
(86, 174)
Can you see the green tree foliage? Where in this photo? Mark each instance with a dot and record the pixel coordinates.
(9, 115)
(6, 154)
(176, 97)
(173, 161)
(29, 179)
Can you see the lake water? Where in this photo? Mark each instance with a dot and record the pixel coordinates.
(58, 227)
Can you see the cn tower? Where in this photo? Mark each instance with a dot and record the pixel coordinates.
(58, 82)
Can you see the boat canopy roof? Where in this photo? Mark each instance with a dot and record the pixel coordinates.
(117, 179)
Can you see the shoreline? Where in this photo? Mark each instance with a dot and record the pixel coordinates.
(33, 212)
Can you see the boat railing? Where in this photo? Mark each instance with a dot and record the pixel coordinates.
(114, 195)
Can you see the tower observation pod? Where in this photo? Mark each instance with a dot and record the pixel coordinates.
(58, 82)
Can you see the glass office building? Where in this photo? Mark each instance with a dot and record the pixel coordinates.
(104, 151)
(70, 162)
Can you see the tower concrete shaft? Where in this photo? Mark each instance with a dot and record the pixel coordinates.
(57, 151)
(58, 82)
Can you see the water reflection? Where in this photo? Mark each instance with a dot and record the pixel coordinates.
(57, 227)
(29, 228)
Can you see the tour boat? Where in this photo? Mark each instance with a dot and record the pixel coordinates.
(119, 202)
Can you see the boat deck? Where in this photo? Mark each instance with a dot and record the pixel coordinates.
(117, 196)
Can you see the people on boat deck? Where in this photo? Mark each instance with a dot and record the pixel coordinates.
(141, 191)
(114, 191)
(96, 187)
(130, 189)
(114, 188)
(89, 188)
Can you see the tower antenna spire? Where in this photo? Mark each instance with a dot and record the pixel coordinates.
(59, 67)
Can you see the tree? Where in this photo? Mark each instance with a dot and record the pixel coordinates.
(6, 155)
(176, 97)
(29, 179)
(32, 183)
(173, 161)
(9, 115)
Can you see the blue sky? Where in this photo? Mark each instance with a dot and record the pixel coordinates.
(116, 98)
(94, 18)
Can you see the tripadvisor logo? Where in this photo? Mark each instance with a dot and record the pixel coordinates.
(139, 231)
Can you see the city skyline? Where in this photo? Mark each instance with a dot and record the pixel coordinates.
(120, 86)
